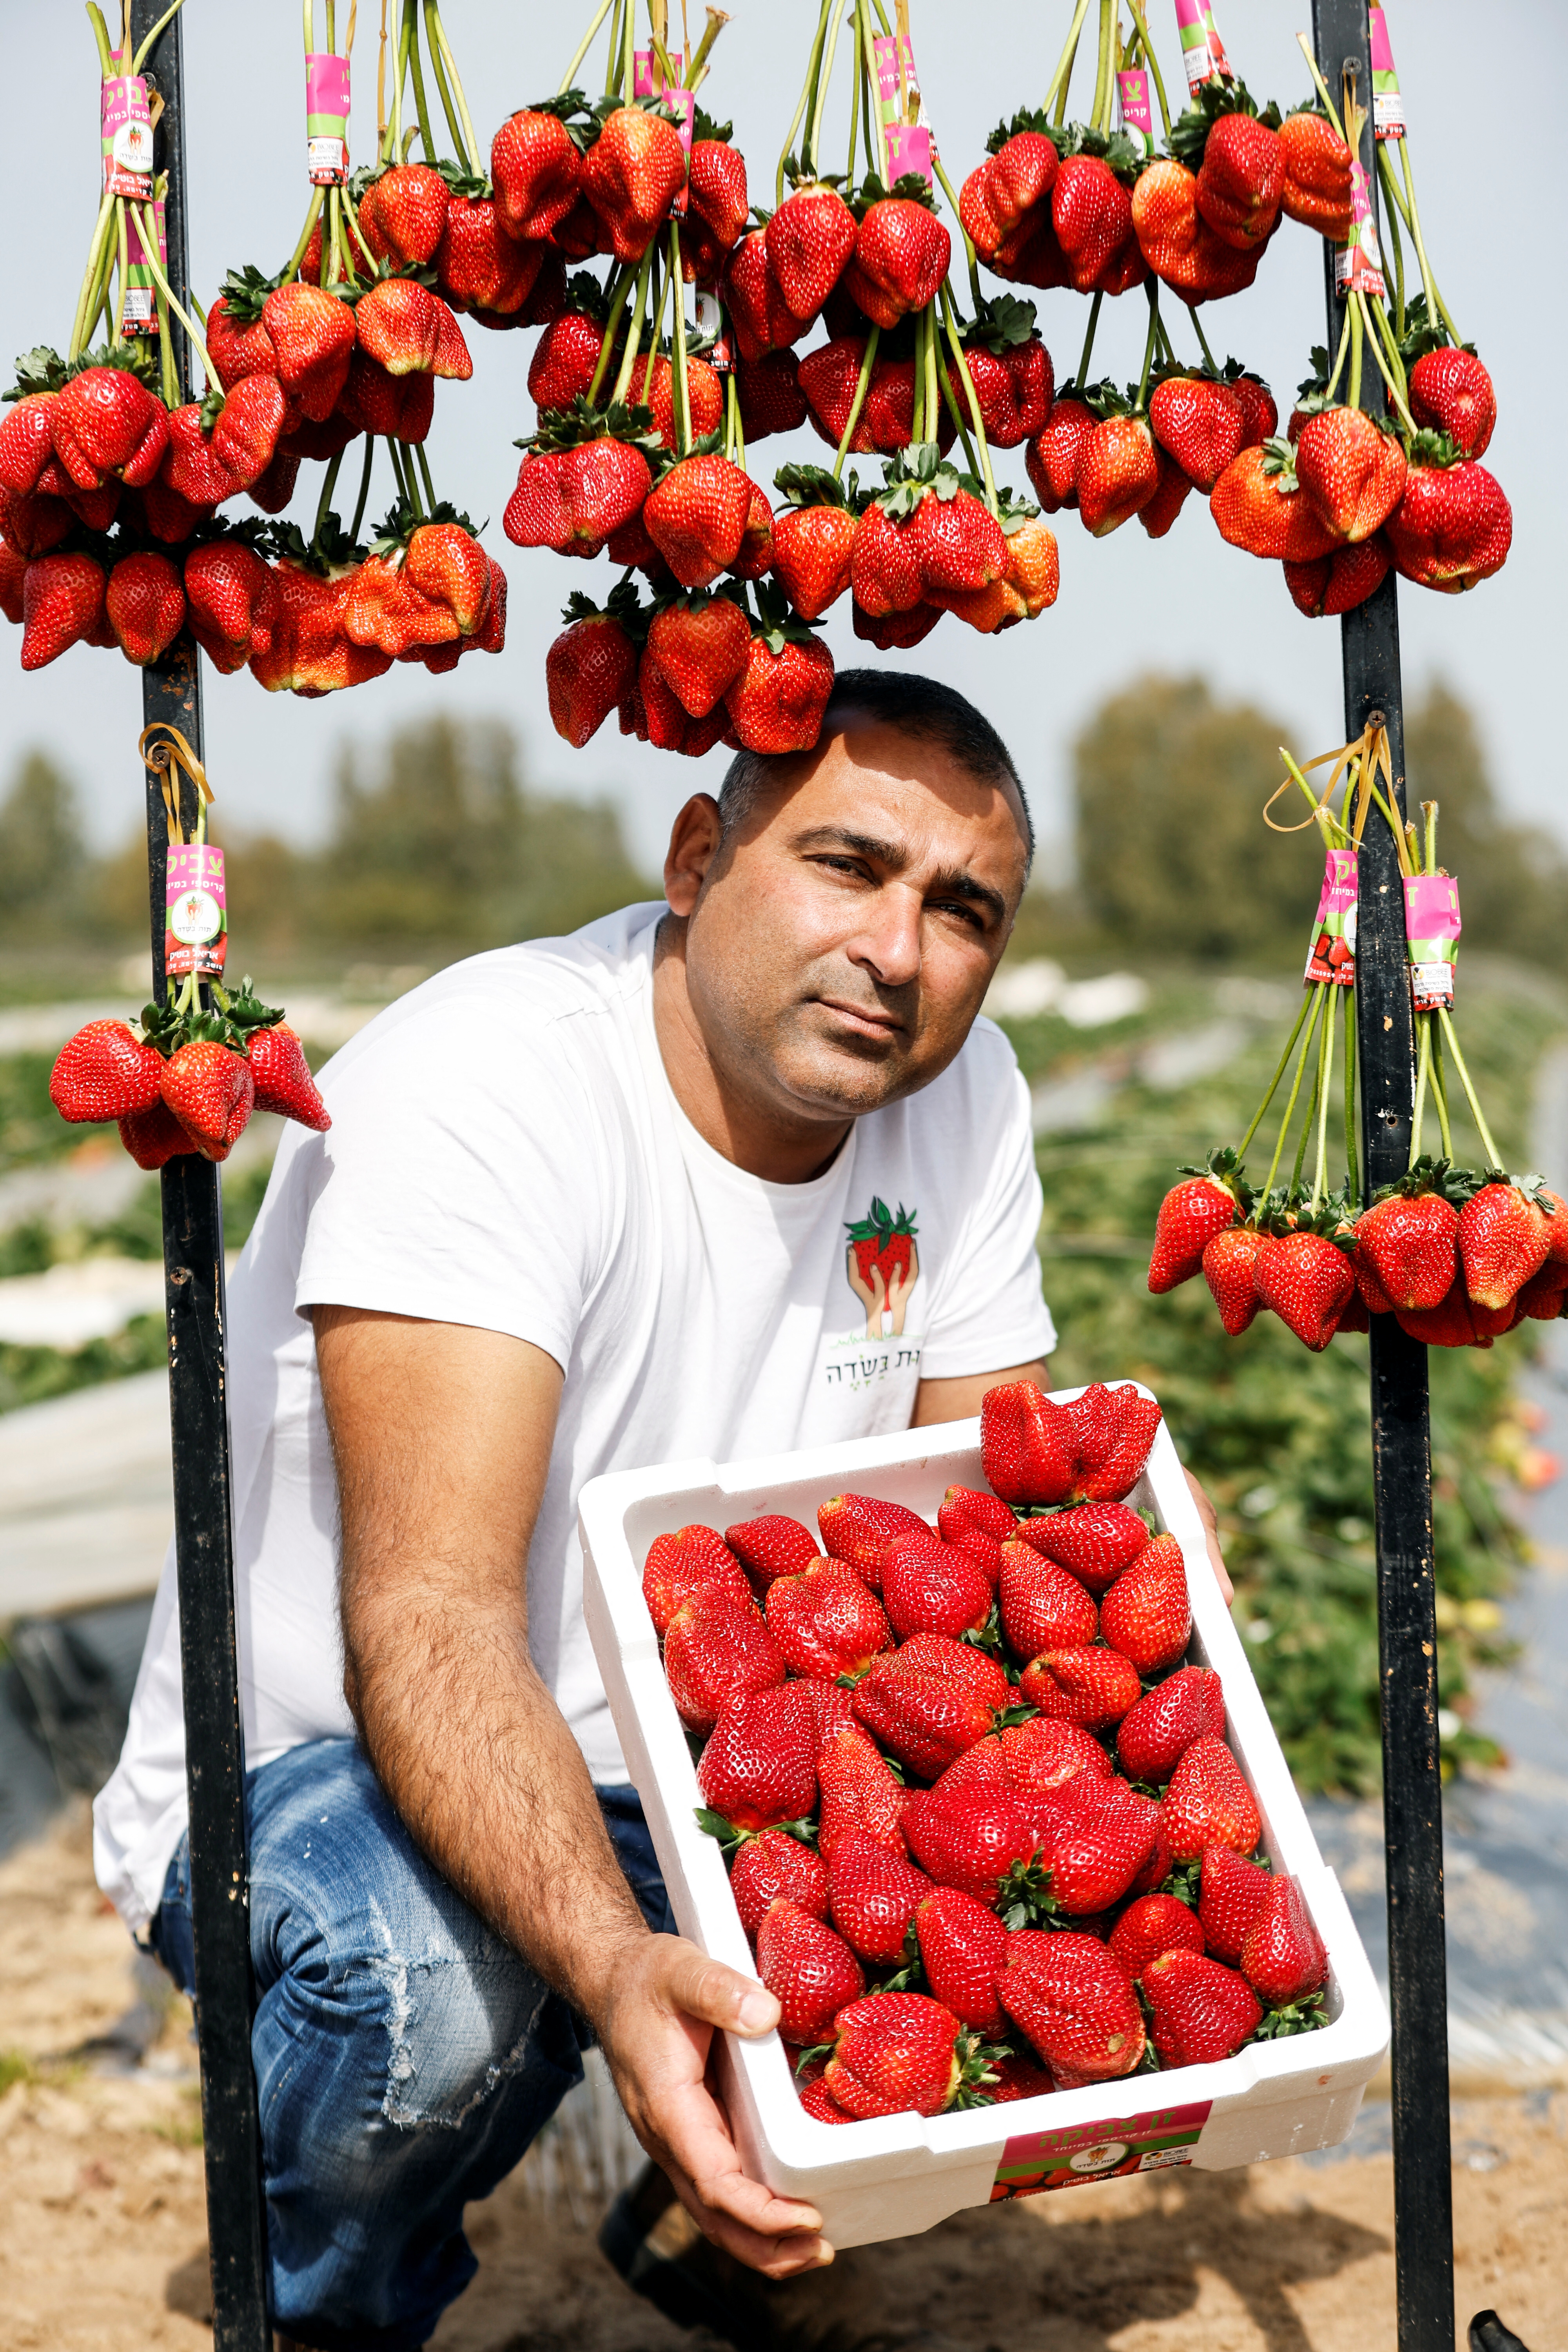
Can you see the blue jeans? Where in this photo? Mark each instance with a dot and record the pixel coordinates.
(405, 2056)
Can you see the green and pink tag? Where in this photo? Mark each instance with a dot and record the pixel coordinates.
(1331, 956)
(1132, 87)
(1202, 52)
(1387, 105)
(196, 920)
(327, 118)
(125, 136)
(1432, 929)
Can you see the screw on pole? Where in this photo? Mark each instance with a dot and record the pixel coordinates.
(1401, 1430)
(204, 1527)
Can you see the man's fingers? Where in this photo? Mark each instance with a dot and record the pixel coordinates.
(719, 1995)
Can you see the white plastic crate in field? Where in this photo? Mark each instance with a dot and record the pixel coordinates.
(899, 2174)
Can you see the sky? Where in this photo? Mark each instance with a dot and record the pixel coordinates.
(1187, 604)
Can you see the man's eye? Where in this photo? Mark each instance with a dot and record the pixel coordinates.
(961, 908)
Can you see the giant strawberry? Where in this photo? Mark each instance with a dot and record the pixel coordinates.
(1258, 505)
(900, 258)
(1075, 2004)
(631, 177)
(778, 700)
(1452, 525)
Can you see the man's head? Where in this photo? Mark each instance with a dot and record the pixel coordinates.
(844, 909)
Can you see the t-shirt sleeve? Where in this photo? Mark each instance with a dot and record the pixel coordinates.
(463, 1179)
(989, 1313)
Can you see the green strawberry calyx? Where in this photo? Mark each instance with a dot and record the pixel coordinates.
(1023, 1897)
(571, 427)
(1434, 450)
(245, 290)
(1002, 323)
(804, 181)
(717, 1825)
(776, 623)
(231, 1020)
(623, 606)
(1033, 119)
(1226, 1167)
(1280, 465)
(814, 486)
(1184, 1882)
(329, 551)
(1190, 132)
(910, 474)
(910, 188)
(1424, 333)
(1294, 2017)
(976, 2070)
(400, 522)
(704, 127)
(43, 370)
(1122, 155)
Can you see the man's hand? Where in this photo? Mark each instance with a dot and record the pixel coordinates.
(1211, 1537)
(656, 2023)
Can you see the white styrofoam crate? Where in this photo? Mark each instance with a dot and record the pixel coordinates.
(895, 2175)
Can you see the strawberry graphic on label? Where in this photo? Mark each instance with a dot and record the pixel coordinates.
(882, 1264)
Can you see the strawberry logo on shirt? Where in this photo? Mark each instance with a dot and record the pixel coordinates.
(882, 1264)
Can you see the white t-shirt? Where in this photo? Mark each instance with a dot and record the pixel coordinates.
(506, 1151)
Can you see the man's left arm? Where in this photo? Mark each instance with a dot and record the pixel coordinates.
(959, 1400)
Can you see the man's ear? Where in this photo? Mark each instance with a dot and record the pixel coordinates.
(693, 845)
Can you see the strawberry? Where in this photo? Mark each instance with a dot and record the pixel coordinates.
(1230, 1264)
(536, 169)
(958, 544)
(1113, 1429)
(772, 1546)
(27, 443)
(590, 668)
(900, 2053)
(1411, 1242)
(408, 331)
(1026, 1448)
(1104, 1846)
(1502, 1240)
(1043, 1755)
(770, 393)
(860, 1797)
(247, 428)
(145, 606)
(756, 556)
(13, 573)
(1001, 194)
(820, 2104)
(717, 192)
(1011, 371)
(1201, 422)
(1336, 583)
(1451, 393)
(481, 267)
(872, 1894)
(192, 466)
(1190, 1215)
(1153, 1925)
(810, 1970)
(978, 1838)
(1260, 415)
(1074, 2003)
(1158, 514)
(106, 421)
(62, 602)
(631, 177)
(761, 319)
(900, 258)
(1092, 216)
(1351, 468)
(1209, 1803)
(828, 377)
(929, 1707)
(573, 499)
(1453, 525)
(564, 359)
(777, 702)
(210, 1091)
(884, 567)
(154, 1136)
(705, 397)
(1307, 1279)
(715, 1647)
(961, 1944)
(1555, 1210)
(1051, 460)
(1153, 1739)
(581, 232)
(1095, 1540)
(313, 337)
(812, 551)
(1283, 1957)
(758, 1769)
(808, 242)
(1146, 1614)
(1241, 180)
(1258, 506)
(281, 1077)
(105, 1072)
(936, 1588)
(866, 1531)
(1093, 1686)
(699, 643)
(33, 526)
(1200, 2009)
(1118, 473)
(1231, 1893)
(1043, 1608)
(697, 518)
(402, 213)
(1018, 2078)
(827, 1621)
(401, 407)
(1452, 1324)
(895, 630)
(831, 1711)
(1540, 1299)
(1317, 190)
(776, 1864)
(1027, 586)
(965, 1511)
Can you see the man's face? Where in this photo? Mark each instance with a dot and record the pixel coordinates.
(839, 950)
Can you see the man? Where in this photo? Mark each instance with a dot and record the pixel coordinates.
(583, 1205)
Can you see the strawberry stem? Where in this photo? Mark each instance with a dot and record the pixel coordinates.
(933, 403)
(583, 48)
(421, 105)
(859, 402)
(1434, 296)
(1203, 342)
(100, 34)
(363, 486)
(854, 86)
(1319, 987)
(166, 18)
(328, 484)
(1423, 1073)
(1101, 111)
(970, 254)
(312, 215)
(1391, 368)
(156, 270)
(945, 379)
(874, 123)
(1340, 355)
(661, 286)
(441, 54)
(1082, 376)
(807, 98)
(697, 69)
(424, 470)
(1148, 342)
(683, 389)
(1429, 810)
(1352, 390)
(91, 274)
(634, 337)
(1325, 1083)
(973, 400)
(824, 80)
(1306, 48)
(616, 302)
(1274, 1081)
(1152, 62)
(1440, 1094)
(1351, 1162)
(863, 56)
(1385, 181)
(1057, 87)
(351, 214)
(1494, 1157)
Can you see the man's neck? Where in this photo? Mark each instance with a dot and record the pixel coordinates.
(739, 1125)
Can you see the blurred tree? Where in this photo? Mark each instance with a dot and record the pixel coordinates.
(41, 850)
(1513, 879)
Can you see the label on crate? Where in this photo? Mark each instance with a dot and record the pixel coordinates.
(1432, 929)
(1358, 262)
(195, 924)
(1387, 106)
(125, 122)
(139, 309)
(1034, 2162)
(1332, 955)
(327, 118)
(648, 81)
(1132, 88)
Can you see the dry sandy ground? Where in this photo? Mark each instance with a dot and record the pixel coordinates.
(101, 2245)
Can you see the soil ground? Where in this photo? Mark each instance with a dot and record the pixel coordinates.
(103, 2248)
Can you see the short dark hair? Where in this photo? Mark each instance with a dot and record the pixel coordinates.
(921, 707)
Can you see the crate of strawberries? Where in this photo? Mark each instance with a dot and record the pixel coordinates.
(949, 1737)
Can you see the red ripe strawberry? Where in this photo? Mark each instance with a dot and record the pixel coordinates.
(759, 1767)
(1153, 1739)
(1051, 460)
(808, 242)
(1452, 527)
(927, 1718)
(961, 1944)
(1096, 1540)
(631, 177)
(866, 1531)
(1074, 2003)
(899, 2053)
(1503, 1238)
(872, 1894)
(27, 443)
(714, 1648)
(1092, 212)
(699, 644)
(827, 1621)
(1306, 1278)
(1209, 1803)
(772, 1546)
(536, 170)
(1241, 180)
(821, 2105)
(1555, 1210)
(245, 435)
(761, 319)
(1283, 1957)
(810, 1970)
(1114, 1429)
(580, 232)
(777, 702)
(1190, 1215)
(482, 267)
(936, 1588)
(831, 1710)
(1351, 468)
(231, 601)
(965, 1511)
(1451, 393)
(273, 490)
(62, 603)
(1094, 1687)
(1202, 422)
(1118, 473)
(574, 500)
(313, 337)
(1230, 1265)
(697, 517)
(1317, 190)
(145, 606)
(1262, 418)
(1047, 1753)
(1019, 2078)
(1158, 514)
(1153, 1925)
(828, 378)
(756, 556)
(1001, 192)
(281, 1077)
(973, 1837)
(564, 360)
(1411, 1241)
(1146, 1614)
(1258, 506)
(1231, 1893)
(13, 573)
(705, 395)
(860, 1797)
(1103, 1847)
(884, 568)
(210, 1091)
(104, 1072)
(812, 551)
(1043, 1608)
(1540, 1299)
(401, 405)
(33, 526)
(402, 213)
(408, 331)
(900, 258)
(588, 671)
(958, 544)
(1453, 1324)
(154, 1135)
(776, 1864)
(192, 466)
(238, 348)
(106, 421)
(1014, 387)
(1336, 583)
(895, 630)
(717, 192)
(770, 394)
(1026, 1446)
(1202, 2010)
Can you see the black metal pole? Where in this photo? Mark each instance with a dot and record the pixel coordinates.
(1401, 1432)
(204, 1528)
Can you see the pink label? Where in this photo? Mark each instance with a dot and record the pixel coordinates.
(1431, 908)
(126, 136)
(195, 924)
(1381, 52)
(885, 51)
(643, 82)
(1332, 954)
(1359, 262)
(327, 86)
(1136, 118)
(135, 250)
(1387, 105)
(908, 149)
(1033, 2162)
(1217, 57)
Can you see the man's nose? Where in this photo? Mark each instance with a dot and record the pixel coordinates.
(887, 943)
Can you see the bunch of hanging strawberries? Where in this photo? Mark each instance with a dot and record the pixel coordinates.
(983, 1830)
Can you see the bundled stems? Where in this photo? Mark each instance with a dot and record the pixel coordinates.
(1320, 989)
(1203, 342)
(808, 98)
(634, 335)
(682, 389)
(1057, 87)
(859, 402)
(1392, 367)
(620, 286)
(421, 104)
(874, 123)
(1385, 181)
(972, 399)
(1325, 1081)
(1149, 340)
(1152, 62)
(1257, 1115)
(1351, 1162)
(569, 77)
(363, 486)
(824, 80)
(1494, 1158)
(1440, 1091)
(1103, 63)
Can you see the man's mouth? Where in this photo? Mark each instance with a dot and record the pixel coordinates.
(869, 1020)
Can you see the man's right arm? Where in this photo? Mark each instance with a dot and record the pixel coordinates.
(441, 1436)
